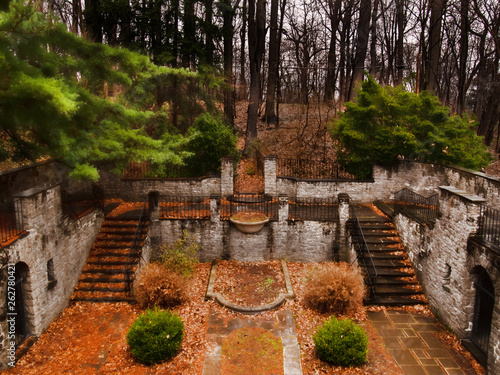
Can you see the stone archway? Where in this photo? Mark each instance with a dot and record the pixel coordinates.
(17, 316)
(483, 310)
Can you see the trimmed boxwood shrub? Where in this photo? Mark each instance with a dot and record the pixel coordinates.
(341, 343)
(155, 336)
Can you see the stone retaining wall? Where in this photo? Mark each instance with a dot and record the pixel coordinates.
(446, 261)
(54, 245)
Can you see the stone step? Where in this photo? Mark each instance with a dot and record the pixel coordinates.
(101, 289)
(103, 280)
(111, 263)
(115, 254)
(381, 241)
(394, 281)
(377, 233)
(105, 271)
(394, 301)
(386, 263)
(104, 299)
(369, 226)
(387, 272)
(383, 290)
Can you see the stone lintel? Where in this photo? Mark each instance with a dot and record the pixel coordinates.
(471, 198)
(34, 191)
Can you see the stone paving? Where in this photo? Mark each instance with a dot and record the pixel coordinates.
(410, 339)
(283, 326)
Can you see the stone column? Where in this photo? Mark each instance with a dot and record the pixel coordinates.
(270, 185)
(343, 218)
(227, 177)
(283, 208)
(215, 208)
(154, 205)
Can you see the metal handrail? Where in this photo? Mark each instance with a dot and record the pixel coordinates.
(361, 248)
(416, 206)
(133, 248)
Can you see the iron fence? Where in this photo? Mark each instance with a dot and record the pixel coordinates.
(489, 225)
(416, 206)
(314, 209)
(144, 170)
(311, 169)
(362, 251)
(136, 247)
(249, 202)
(78, 203)
(184, 207)
(11, 220)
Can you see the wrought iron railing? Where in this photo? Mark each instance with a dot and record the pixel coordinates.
(311, 169)
(314, 209)
(11, 220)
(489, 226)
(136, 247)
(78, 203)
(249, 202)
(416, 206)
(144, 170)
(184, 207)
(363, 253)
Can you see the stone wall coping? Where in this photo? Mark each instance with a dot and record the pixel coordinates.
(216, 176)
(35, 190)
(25, 167)
(463, 194)
(313, 180)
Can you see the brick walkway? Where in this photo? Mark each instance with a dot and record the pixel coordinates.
(410, 340)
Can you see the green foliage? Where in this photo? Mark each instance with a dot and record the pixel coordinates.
(388, 123)
(155, 336)
(180, 256)
(341, 342)
(53, 99)
(209, 141)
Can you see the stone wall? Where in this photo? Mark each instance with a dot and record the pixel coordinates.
(137, 190)
(445, 260)
(421, 178)
(19, 179)
(299, 241)
(54, 245)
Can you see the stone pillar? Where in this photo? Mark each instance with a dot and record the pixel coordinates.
(227, 177)
(343, 218)
(283, 208)
(214, 208)
(270, 185)
(154, 205)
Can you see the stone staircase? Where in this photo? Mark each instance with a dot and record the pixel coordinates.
(396, 283)
(112, 261)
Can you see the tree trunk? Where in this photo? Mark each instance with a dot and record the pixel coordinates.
(373, 45)
(361, 46)
(400, 42)
(93, 21)
(228, 14)
(189, 34)
(464, 53)
(256, 47)
(334, 15)
(242, 92)
(272, 75)
(432, 66)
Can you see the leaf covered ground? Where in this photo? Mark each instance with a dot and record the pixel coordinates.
(91, 338)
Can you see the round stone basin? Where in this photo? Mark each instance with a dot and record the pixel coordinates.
(249, 227)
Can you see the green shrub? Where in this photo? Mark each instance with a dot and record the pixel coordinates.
(341, 343)
(155, 336)
(180, 256)
(209, 140)
(335, 288)
(159, 286)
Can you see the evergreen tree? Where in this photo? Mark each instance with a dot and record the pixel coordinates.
(53, 98)
(387, 123)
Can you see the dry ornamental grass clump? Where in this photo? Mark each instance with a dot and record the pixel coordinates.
(334, 288)
(159, 286)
